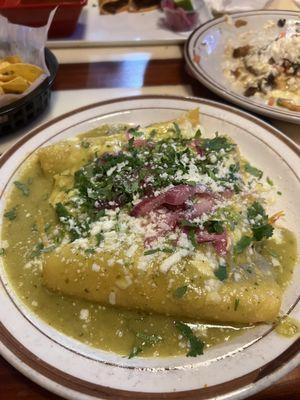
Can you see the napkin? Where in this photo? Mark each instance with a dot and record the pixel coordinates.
(230, 6)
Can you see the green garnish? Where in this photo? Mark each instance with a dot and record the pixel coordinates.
(259, 222)
(151, 251)
(263, 231)
(134, 132)
(214, 226)
(185, 223)
(180, 292)
(11, 214)
(253, 171)
(22, 187)
(143, 340)
(236, 304)
(177, 129)
(85, 145)
(196, 344)
(279, 193)
(192, 237)
(221, 272)
(2, 251)
(269, 181)
(242, 244)
(99, 238)
(218, 143)
(198, 134)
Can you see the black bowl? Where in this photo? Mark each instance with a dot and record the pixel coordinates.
(18, 114)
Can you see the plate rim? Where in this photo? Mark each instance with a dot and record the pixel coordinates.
(262, 378)
(219, 88)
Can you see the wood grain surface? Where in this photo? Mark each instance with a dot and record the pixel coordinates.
(127, 74)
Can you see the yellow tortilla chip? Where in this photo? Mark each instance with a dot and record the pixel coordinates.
(7, 78)
(1, 91)
(29, 72)
(12, 59)
(16, 85)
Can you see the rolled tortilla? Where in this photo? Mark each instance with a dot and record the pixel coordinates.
(96, 278)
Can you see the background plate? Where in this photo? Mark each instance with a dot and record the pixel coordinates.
(204, 54)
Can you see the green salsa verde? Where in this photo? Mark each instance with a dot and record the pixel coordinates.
(27, 219)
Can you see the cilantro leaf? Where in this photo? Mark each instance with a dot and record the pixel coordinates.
(242, 244)
(218, 143)
(269, 181)
(236, 304)
(192, 237)
(2, 251)
(253, 171)
(151, 251)
(198, 134)
(11, 214)
(221, 272)
(185, 223)
(135, 351)
(262, 231)
(196, 344)
(22, 187)
(214, 226)
(259, 222)
(143, 340)
(180, 292)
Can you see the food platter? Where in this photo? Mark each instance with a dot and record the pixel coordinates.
(133, 29)
(205, 54)
(235, 369)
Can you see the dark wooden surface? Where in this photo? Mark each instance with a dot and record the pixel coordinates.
(130, 74)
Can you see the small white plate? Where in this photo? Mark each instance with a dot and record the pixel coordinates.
(205, 49)
(232, 370)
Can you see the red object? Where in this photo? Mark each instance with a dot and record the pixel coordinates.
(35, 13)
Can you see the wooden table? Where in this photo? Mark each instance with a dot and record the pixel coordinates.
(130, 74)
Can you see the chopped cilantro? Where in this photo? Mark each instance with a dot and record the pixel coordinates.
(177, 129)
(192, 237)
(85, 145)
(269, 181)
(236, 304)
(214, 226)
(151, 251)
(2, 251)
(11, 214)
(262, 231)
(99, 238)
(143, 340)
(242, 244)
(61, 211)
(47, 227)
(135, 351)
(196, 344)
(259, 222)
(22, 187)
(48, 249)
(253, 171)
(134, 132)
(218, 143)
(198, 134)
(279, 193)
(169, 250)
(180, 292)
(221, 272)
(185, 223)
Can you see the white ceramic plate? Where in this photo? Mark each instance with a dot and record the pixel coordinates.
(204, 54)
(131, 29)
(232, 370)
